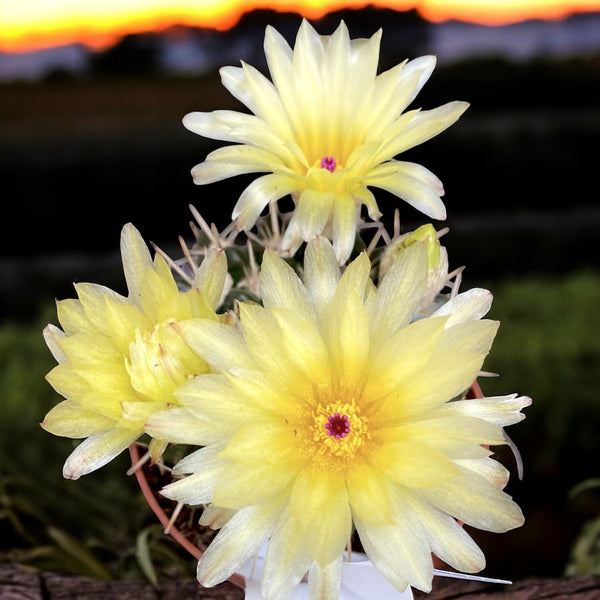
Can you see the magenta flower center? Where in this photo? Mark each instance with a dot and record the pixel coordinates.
(337, 426)
(329, 163)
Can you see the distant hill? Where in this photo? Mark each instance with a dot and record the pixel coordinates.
(194, 51)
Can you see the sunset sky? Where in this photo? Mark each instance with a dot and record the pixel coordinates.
(32, 24)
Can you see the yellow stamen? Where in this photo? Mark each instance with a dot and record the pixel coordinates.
(333, 434)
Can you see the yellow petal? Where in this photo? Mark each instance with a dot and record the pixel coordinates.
(321, 274)
(215, 517)
(122, 321)
(369, 495)
(97, 450)
(423, 126)
(136, 260)
(448, 540)
(179, 426)
(287, 559)
(395, 89)
(413, 184)
(239, 539)
(499, 410)
(67, 382)
(470, 305)
(263, 443)
(263, 339)
(349, 342)
(210, 277)
(472, 499)
(413, 464)
(93, 300)
(320, 504)
(345, 216)
(312, 212)
(281, 288)
(229, 161)
(304, 346)
(399, 293)
(52, 336)
(197, 488)
(456, 437)
(221, 346)
(325, 582)
(262, 191)
(212, 397)
(69, 419)
(405, 353)
(400, 551)
(453, 366)
(72, 317)
(261, 483)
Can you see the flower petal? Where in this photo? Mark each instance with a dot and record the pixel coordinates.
(400, 552)
(321, 274)
(303, 345)
(220, 345)
(325, 582)
(237, 541)
(265, 189)
(69, 419)
(395, 89)
(470, 498)
(473, 304)
(413, 464)
(281, 288)
(313, 212)
(422, 126)
(52, 336)
(136, 260)
(345, 217)
(369, 495)
(448, 540)
(97, 450)
(179, 426)
(414, 184)
(286, 561)
(320, 504)
(406, 352)
(198, 488)
(399, 293)
(453, 366)
(499, 410)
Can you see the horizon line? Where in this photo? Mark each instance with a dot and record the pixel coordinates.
(96, 40)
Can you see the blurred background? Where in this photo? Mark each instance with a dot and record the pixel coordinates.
(91, 138)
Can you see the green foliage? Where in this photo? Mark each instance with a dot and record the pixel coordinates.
(585, 553)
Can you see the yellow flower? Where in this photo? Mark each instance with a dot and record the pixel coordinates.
(325, 130)
(121, 358)
(333, 410)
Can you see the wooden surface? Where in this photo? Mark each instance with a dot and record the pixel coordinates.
(18, 583)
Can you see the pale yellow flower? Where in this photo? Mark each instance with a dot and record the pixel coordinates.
(333, 409)
(325, 130)
(120, 358)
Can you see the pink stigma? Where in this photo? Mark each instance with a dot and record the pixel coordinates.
(329, 163)
(337, 426)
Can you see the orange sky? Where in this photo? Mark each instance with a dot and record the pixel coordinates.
(29, 24)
